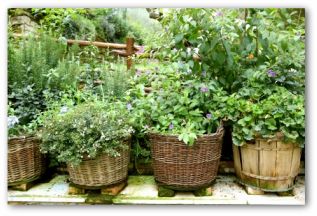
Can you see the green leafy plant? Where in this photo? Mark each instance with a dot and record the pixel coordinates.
(178, 106)
(86, 130)
(266, 114)
(27, 102)
(16, 128)
(223, 43)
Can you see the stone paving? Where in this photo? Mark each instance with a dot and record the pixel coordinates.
(143, 190)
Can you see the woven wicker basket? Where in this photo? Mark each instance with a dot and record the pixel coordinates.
(102, 171)
(181, 167)
(25, 162)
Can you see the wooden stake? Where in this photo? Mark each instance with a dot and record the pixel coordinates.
(129, 51)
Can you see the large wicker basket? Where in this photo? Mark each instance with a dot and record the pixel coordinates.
(181, 167)
(25, 162)
(101, 171)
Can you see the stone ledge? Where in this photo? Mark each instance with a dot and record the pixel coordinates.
(143, 190)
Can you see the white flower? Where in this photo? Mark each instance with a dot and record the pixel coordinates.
(64, 109)
(12, 120)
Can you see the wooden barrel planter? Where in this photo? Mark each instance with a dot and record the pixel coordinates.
(267, 165)
(101, 171)
(181, 167)
(25, 161)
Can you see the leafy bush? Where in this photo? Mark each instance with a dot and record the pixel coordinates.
(40, 65)
(88, 129)
(238, 39)
(109, 80)
(15, 128)
(265, 114)
(27, 103)
(31, 62)
(79, 27)
(177, 106)
(52, 19)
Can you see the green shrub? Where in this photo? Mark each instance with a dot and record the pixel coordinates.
(40, 65)
(266, 113)
(177, 106)
(78, 27)
(30, 62)
(88, 129)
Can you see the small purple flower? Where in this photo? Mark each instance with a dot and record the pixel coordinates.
(140, 50)
(147, 72)
(271, 73)
(204, 89)
(171, 126)
(208, 116)
(218, 14)
(138, 72)
(203, 74)
(129, 106)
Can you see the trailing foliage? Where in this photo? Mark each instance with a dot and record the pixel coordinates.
(74, 132)
(176, 106)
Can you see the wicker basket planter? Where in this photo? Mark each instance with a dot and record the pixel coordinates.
(25, 162)
(102, 171)
(181, 167)
(268, 165)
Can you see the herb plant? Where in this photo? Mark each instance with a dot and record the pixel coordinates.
(73, 132)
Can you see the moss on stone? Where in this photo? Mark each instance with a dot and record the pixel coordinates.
(99, 199)
(203, 192)
(165, 192)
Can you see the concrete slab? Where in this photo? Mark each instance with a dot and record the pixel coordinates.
(143, 190)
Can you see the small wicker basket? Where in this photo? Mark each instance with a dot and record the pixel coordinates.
(181, 167)
(101, 171)
(25, 161)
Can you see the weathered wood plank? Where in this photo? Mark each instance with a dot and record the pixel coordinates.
(267, 163)
(283, 166)
(23, 186)
(97, 44)
(114, 189)
(250, 165)
(253, 191)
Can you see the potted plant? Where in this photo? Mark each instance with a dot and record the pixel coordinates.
(25, 161)
(92, 138)
(184, 130)
(268, 134)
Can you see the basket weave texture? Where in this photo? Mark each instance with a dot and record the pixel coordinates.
(101, 171)
(25, 161)
(186, 168)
